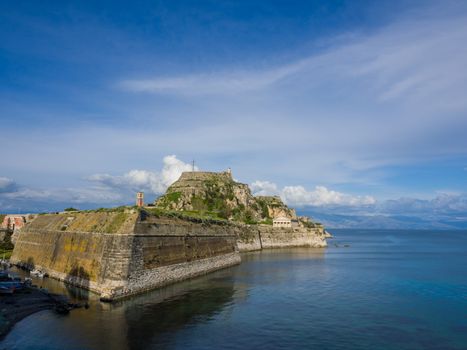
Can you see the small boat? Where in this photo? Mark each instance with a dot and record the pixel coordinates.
(37, 273)
(10, 283)
(7, 289)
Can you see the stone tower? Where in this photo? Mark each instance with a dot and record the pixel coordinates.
(140, 199)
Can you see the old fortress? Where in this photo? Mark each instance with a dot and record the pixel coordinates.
(201, 224)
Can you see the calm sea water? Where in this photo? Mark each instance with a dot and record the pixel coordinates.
(368, 290)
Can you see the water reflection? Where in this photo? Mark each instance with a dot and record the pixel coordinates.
(367, 295)
(78, 275)
(152, 320)
(282, 254)
(149, 321)
(144, 321)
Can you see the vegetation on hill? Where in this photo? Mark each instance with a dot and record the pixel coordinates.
(193, 216)
(70, 209)
(103, 220)
(196, 196)
(218, 196)
(6, 246)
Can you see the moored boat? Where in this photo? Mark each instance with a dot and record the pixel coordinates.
(37, 273)
(6, 289)
(10, 283)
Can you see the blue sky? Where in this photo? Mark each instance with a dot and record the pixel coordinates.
(340, 107)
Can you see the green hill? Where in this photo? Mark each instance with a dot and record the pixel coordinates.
(218, 196)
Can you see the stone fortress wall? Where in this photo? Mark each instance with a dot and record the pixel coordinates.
(284, 237)
(122, 261)
(119, 254)
(257, 237)
(203, 175)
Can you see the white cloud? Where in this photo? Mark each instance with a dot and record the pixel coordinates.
(264, 188)
(144, 180)
(411, 59)
(220, 83)
(320, 196)
(442, 204)
(371, 100)
(135, 180)
(392, 96)
(69, 195)
(107, 189)
(172, 170)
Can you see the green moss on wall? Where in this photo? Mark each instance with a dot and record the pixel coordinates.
(203, 216)
(117, 221)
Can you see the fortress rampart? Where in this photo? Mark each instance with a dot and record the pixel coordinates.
(154, 253)
(203, 175)
(257, 237)
(121, 253)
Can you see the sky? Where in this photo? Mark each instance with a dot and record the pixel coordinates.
(346, 109)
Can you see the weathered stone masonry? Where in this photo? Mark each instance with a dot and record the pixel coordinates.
(131, 253)
(157, 252)
(257, 237)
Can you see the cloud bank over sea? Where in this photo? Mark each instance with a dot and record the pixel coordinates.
(335, 209)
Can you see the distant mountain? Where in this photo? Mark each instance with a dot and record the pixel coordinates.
(379, 221)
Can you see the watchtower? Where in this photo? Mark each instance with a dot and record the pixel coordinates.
(140, 199)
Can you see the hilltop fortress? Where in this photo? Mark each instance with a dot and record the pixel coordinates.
(199, 225)
(218, 195)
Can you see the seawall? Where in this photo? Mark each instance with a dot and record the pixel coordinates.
(257, 237)
(130, 254)
(275, 237)
(121, 253)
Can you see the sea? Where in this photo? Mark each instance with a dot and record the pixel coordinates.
(370, 289)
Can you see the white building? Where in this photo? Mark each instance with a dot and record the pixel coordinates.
(281, 221)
